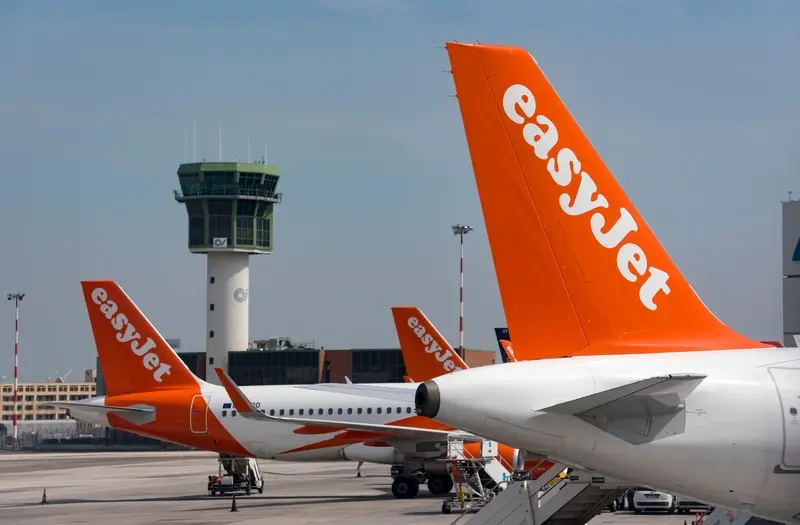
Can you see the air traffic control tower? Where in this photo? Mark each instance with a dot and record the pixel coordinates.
(230, 206)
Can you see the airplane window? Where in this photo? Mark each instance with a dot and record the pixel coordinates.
(330, 411)
(340, 412)
(408, 410)
(263, 410)
(291, 411)
(359, 410)
(271, 411)
(300, 411)
(224, 413)
(349, 410)
(281, 412)
(399, 410)
(388, 410)
(378, 410)
(233, 413)
(369, 410)
(320, 412)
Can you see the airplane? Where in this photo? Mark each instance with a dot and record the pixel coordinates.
(622, 369)
(151, 392)
(424, 348)
(504, 342)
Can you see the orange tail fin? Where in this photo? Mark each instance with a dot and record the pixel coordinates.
(426, 353)
(509, 350)
(133, 355)
(579, 270)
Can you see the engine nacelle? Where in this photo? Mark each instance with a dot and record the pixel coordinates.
(385, 455)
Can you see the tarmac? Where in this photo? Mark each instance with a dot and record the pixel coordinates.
(170, 488)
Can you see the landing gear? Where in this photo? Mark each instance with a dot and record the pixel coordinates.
(440, 484)
(405, 487)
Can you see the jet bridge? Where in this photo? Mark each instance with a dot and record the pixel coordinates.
(573, 500)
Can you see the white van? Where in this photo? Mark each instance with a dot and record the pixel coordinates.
(649, 500)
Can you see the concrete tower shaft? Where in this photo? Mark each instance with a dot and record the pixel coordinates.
(230, 207)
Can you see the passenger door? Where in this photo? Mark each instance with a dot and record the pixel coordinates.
(787, 381)
(198, 414)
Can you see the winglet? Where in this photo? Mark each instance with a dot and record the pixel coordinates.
(239, 400)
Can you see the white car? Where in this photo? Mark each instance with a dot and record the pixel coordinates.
(648, 500)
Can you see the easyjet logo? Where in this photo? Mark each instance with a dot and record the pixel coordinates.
(541, 134)
(509, 350)
(127, 334)
(432, 345)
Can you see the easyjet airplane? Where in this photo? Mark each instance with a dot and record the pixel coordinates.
(151, 392)
(504, 342)
(424, 348)
(652, 387)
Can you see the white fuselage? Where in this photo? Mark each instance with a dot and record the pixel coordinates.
(273, 439)
(740, 448)
(280, 441)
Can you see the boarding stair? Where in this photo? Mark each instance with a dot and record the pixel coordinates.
(573, 500)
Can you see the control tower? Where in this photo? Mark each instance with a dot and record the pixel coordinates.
(230, 206)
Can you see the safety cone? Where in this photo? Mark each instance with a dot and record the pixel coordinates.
(44, 496)
(233, 505)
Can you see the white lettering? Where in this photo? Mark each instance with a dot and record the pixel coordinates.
(432, 346)
(542, 135)
(583, 199)
(563, 174)
(519, 96)
(542, 141)
(126, 333)
(611, 239)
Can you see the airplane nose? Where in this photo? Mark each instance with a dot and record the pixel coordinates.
(427, 399)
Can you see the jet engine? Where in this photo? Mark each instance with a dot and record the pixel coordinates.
(383, 454)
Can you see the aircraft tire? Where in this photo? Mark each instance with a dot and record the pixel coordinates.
(405, 487)
(440, 484)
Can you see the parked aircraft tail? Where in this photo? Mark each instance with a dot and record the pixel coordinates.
(580, 271)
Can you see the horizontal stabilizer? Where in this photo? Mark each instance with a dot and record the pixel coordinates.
(102, 408)
(138, 415)
(638, 412)
(246, 409)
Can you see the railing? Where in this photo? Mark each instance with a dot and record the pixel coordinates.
(203, 190)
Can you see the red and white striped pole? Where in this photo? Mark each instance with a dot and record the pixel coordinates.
(461, 230)
(16, 297)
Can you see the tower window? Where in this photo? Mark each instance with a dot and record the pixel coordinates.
(210, 280)
(210, 334)
(210, 360)
(211, 307)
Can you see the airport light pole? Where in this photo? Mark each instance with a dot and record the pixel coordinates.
(17, 298)
(461, 230)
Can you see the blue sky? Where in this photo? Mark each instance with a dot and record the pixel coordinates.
(693, 105)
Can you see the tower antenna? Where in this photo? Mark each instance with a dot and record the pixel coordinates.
(185, 143)
(194, 142)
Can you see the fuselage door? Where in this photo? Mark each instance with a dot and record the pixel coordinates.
(198, 415)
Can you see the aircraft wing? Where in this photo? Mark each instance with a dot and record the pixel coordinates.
(246, 409)
(638, 412)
